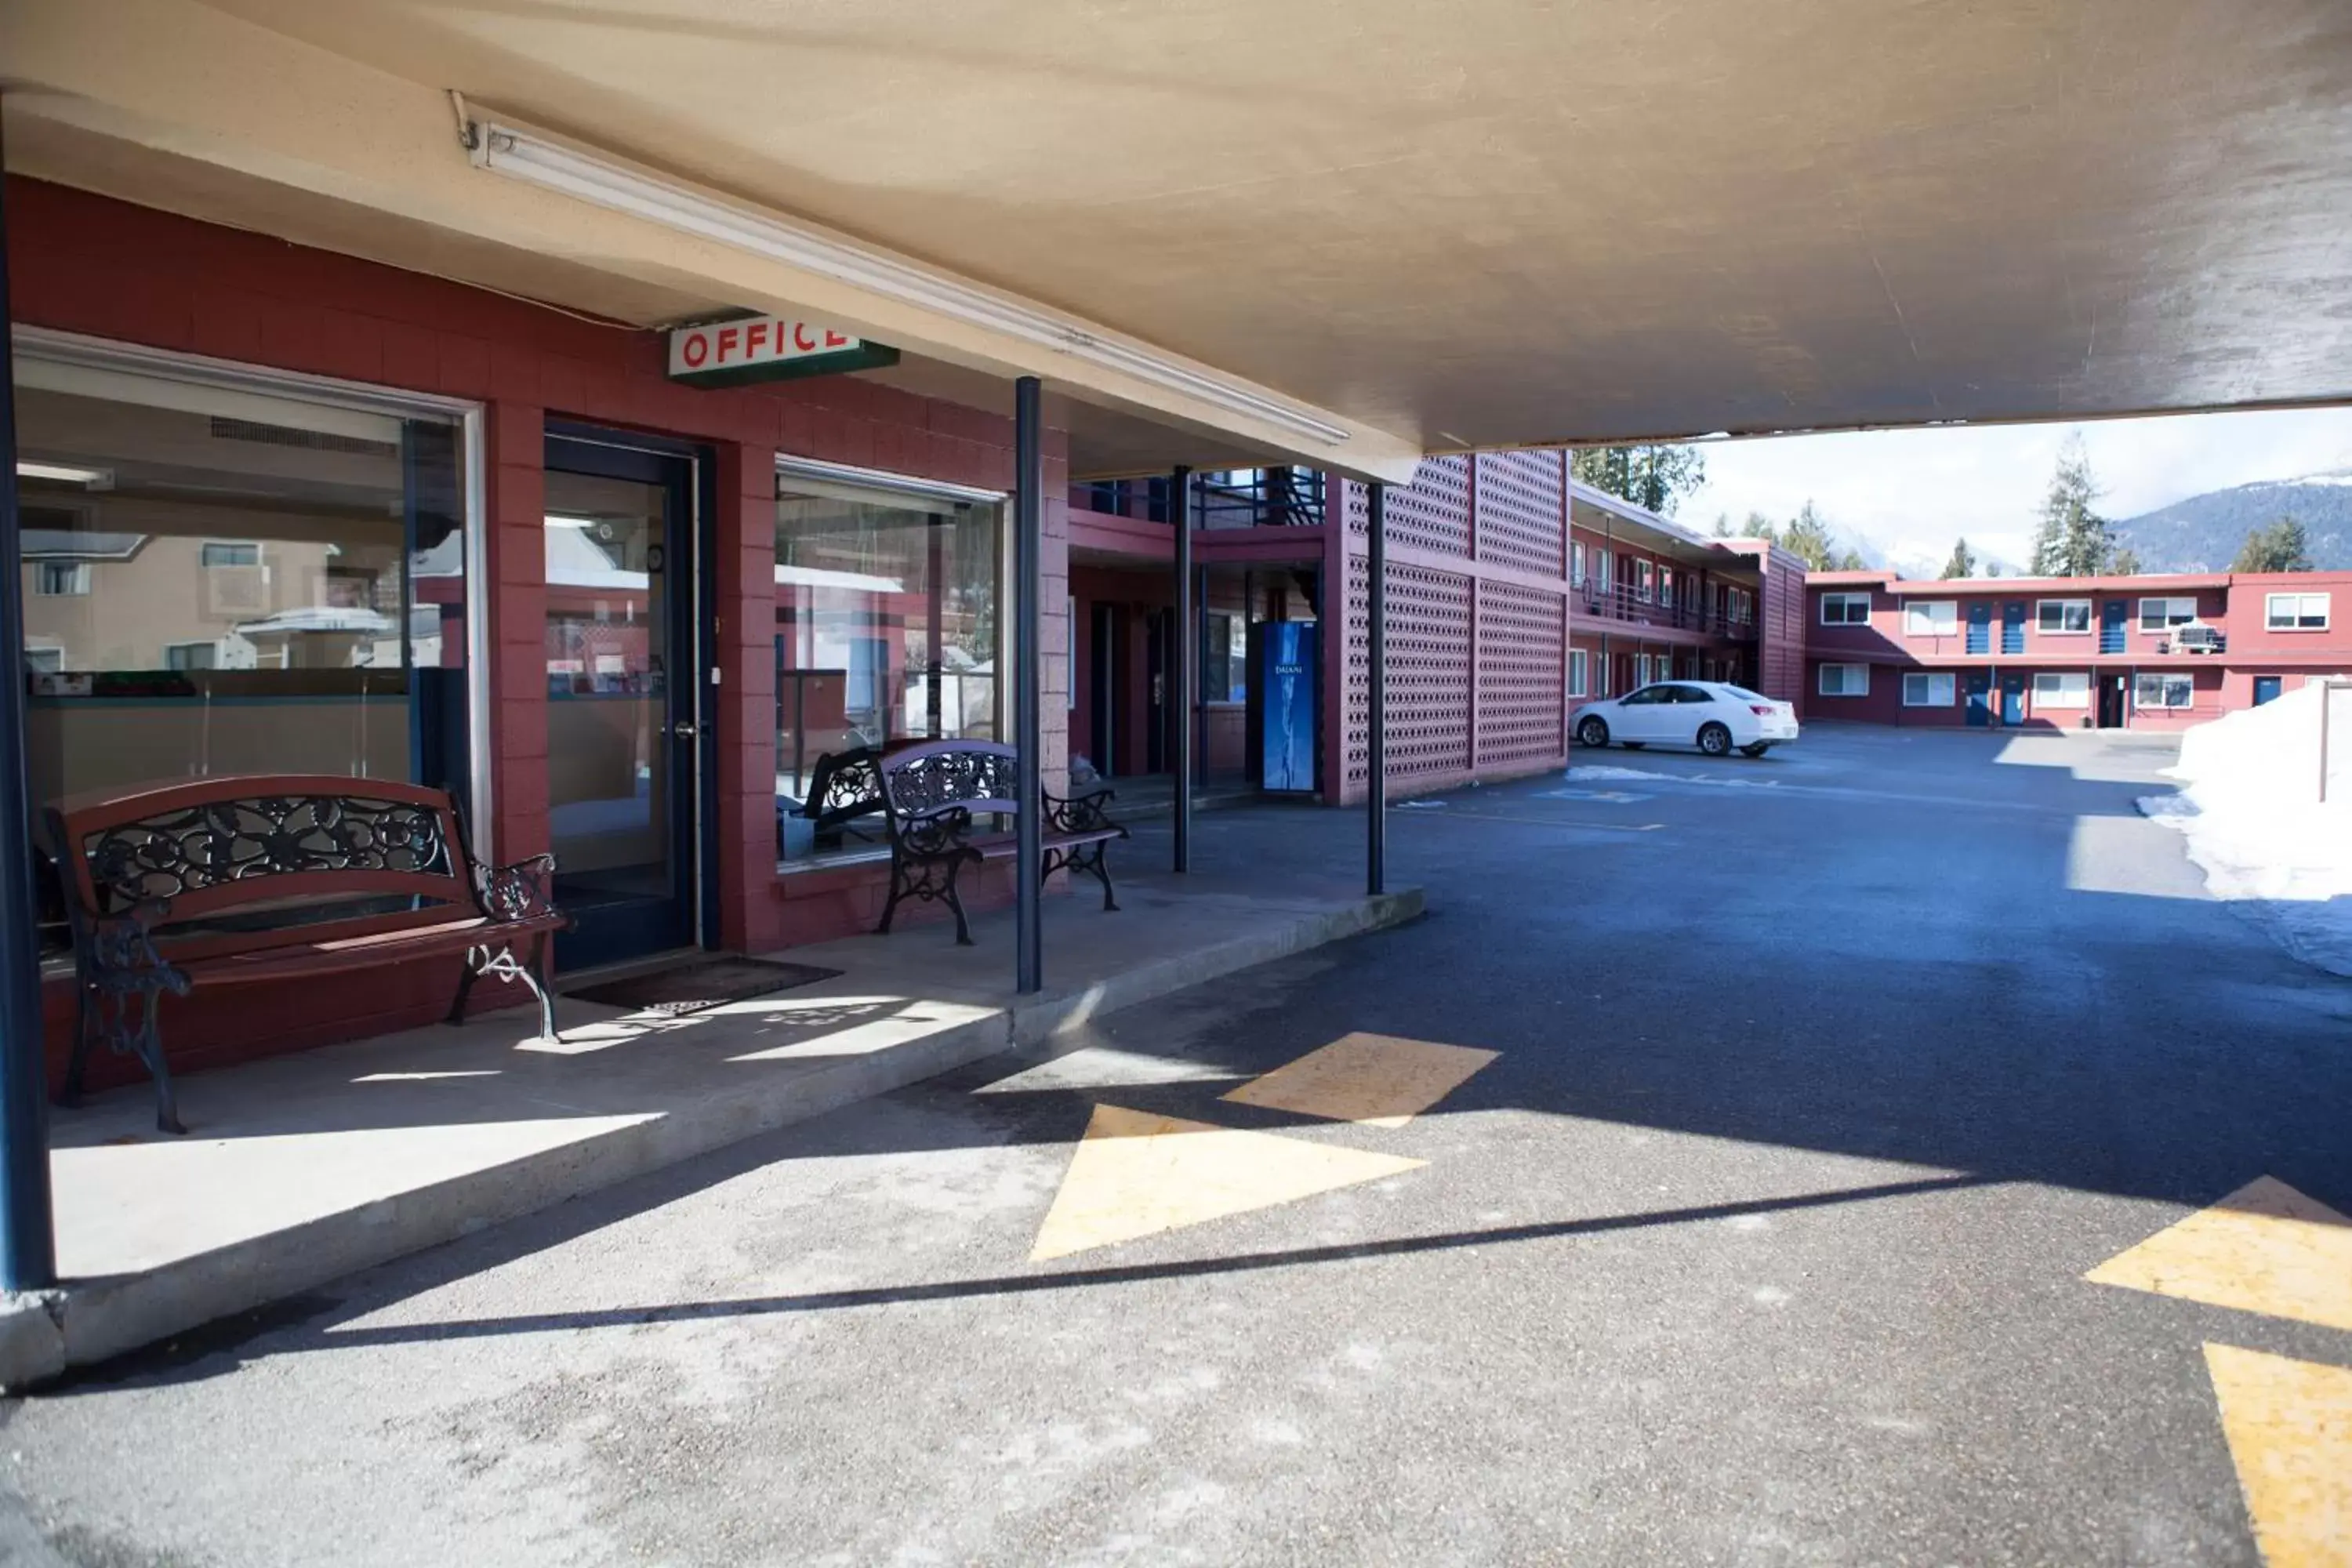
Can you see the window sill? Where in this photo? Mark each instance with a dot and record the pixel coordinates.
(835, 861)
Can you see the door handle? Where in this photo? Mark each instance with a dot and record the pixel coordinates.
(683, 732)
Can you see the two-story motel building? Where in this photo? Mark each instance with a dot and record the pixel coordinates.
(2112, 652)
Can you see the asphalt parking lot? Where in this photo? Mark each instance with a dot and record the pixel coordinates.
(1818, 1085)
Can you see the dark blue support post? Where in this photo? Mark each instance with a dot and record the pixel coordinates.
(1187, 661)
(1029, 700)
(29, 1252)
(1376, 738)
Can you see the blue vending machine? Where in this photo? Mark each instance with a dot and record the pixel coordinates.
(1286, 691)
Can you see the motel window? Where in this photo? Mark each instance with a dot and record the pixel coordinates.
(2062, 616)
(61, 579)
(1927, 689)
(1579, 671)
(151, 658)
(887, 619)
(1224, 659)
(1666, 589)
(219, 552)
(1600, 558)
(1576, 564)
(2295, 612)
(2163, 614)
(1931, 618)
(1845, 609)
(1643, 573)
(2062, 688)
(1844, 680)
(2163, 690)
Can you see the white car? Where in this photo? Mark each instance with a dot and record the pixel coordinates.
(1707, 714)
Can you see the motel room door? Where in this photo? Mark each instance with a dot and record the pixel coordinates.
(625, 726)
(2013, 700)
(1980, 690)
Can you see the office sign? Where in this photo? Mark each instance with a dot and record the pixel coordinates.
(768, 348)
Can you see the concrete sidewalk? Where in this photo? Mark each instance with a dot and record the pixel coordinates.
(303, 1168)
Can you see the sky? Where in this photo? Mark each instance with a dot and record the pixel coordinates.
(1908, 494)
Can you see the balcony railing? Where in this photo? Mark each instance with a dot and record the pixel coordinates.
(1238, 498)
(1624, 604)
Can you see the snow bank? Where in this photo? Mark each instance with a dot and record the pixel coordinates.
(2249, 811)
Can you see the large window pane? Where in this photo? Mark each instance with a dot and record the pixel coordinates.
(218, 581)
(885, 625)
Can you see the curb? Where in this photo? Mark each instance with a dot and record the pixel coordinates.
(45, 1333)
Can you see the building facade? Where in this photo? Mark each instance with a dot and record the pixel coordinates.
(292, 511)
(2149, 652)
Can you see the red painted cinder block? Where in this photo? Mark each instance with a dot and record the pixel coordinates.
(411, 355)
(465, 366)
(351, 346)
(229, 325)
(292, 335)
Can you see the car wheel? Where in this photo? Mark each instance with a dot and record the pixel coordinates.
(1715, 740)
(1592, 732)
(1757, 750)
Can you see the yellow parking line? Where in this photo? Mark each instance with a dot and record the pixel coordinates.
(1374, 1078)
(1136, 1174)
(2289, 1423)
(2265, 1248)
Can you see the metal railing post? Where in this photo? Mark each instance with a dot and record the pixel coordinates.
(1028, 634)
(28, 1255)
(1187, 664)
(1375, 738)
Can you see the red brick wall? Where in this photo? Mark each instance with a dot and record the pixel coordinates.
(84, 263)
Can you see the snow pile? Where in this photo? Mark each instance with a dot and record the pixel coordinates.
(2249, 811)
(1589, 773)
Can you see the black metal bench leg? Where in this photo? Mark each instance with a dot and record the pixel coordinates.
(147, 1044)
(532, 976)
(85, 1029)
(890, 904)
(955, 902)
(1100, 867)
(466, 974)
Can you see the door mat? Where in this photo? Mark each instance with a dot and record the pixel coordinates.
(706, 983)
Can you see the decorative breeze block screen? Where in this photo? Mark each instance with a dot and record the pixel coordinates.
(1522, 510)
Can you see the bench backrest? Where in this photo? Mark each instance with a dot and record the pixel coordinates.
(214, 845)
(978, 775)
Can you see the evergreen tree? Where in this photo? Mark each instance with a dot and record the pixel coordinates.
(1723, 525)
(2126, 562)
(1763, 528)
(2281, 547)
(1962, 564)
(2072, 540)
(1655, 477)
(1808, 539)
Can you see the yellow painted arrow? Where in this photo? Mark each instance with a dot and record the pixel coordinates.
(2289, 1423)
(2265, 1248)
(1136, 1174)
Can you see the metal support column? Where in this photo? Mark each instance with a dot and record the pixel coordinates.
(1187, 661)
(1375, 738)
(1028, 635)
(28, 1256)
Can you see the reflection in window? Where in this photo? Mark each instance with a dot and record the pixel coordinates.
(887, 625)
(218, 581)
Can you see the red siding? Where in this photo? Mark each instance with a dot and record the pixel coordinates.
(84, 263)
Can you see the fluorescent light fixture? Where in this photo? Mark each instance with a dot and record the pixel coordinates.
(67, 474)
(522, 155)
(561, 519)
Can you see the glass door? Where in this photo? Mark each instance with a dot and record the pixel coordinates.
(623, 740)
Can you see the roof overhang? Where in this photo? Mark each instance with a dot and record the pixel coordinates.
(1526, 227)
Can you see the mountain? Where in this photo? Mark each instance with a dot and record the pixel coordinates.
(2204, 532)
